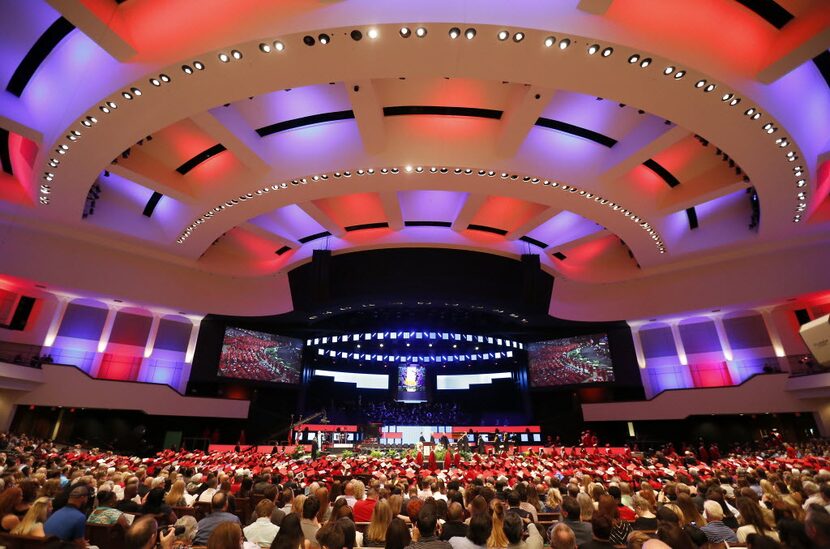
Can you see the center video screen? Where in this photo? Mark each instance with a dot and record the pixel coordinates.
(258, 356)
(570, 361)
(412, 385)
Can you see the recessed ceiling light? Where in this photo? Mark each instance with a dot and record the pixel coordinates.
(679, 74)
(734, 101)
(668, 70)
(700, 83)
(265, 48)
(645, 62)
(164, 78)
(607, 52)
(224, 57)
(186, 69)
(356, 35)
(518, 37)
(135, 91)
(800, 183)
(550, 41)
(594, 48)
(470, 33)
(236, 54)
(564, 43)
(198, 65)
(709, 88)
(405, 32)
(155, 82)
(324, 38)
(373, 33)
(308, 40)
(420, 32)
(726, 97)
(126, 95)
(756, 116)
(279, 46)
(503, 35)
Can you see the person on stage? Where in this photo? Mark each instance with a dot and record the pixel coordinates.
(480, 448)
(314, 448)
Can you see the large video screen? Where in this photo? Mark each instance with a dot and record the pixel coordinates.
(570, 361)
(258, 356)
(412, 385)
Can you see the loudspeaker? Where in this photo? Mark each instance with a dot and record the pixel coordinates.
(802, 316)
(320, 276)
(816, 334)
(21, 314)
(532, 290)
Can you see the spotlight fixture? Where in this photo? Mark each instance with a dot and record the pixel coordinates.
(679, 74)
(279, 46)
(607, 52)
(236, 54)
(593, 49)
(668, 70)
(373, 33)
(323, 39)
(186, 69)
(645, 62)
(356, 35)
(550, 41)
(633, 59)
(470, 33)
(405, 32)
(155, 82)
(420, 32)
(518, 37)
(503, 35)
(700, 83)
(126, 95)
(709, 88)
(265, 48)
(734, 101)
(564, 43)
(224, 57)
(308, 40)
(726, 97)
(455, 32)
(164, 78)
(104, 109)
(198, 65)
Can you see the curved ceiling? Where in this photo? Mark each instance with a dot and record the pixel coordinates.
(635, 147)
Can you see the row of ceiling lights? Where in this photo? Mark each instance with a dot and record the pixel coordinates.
(434, 170)
(421, 32)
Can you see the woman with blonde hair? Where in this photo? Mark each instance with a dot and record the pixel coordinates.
(553, 502)
(176, 496)
(297, 505)
(32, 523)
(586, 507)
(497, 539)
(381, 518)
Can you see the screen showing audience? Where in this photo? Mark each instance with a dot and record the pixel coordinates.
(570, 361)
(412, 383)
(258, 356)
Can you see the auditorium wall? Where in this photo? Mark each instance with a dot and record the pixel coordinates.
(716, 349)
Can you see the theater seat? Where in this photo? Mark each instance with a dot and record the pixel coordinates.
(105, 536)
(10, 541)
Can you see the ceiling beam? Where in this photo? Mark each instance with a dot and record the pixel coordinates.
(81, 14)
(532, 223)
(392, 208)
(278, 240)
(145, 170)
(815, 24)
(594, 7)
(472, 204)
(649, 139)
(322, 218)
(228, 128)
(570, 245)
(14, 126)
(524, 107)
(368, 113)
(709, 185)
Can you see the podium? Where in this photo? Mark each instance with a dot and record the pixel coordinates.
(428, 447)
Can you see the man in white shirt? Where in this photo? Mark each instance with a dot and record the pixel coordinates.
(262, 531)
(209, 491)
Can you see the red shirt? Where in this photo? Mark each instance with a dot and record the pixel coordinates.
(362, 510)
(626, 513)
